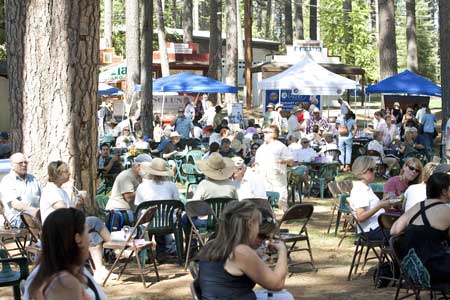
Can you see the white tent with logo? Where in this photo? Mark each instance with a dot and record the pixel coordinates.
(308, 78)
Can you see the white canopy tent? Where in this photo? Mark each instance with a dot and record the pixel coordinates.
(308, 78)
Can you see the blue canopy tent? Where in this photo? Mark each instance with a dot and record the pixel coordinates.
(189, 83)
(406, 83)
(108, 90)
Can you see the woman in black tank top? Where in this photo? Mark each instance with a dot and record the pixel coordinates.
(426, 227)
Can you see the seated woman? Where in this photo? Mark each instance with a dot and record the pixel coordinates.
(156, 185)
(54, 197)
(229, 266)
(60, 272)
(416, 193)
(411, 173)
(426, 227)
(363, 201)
(376, 146)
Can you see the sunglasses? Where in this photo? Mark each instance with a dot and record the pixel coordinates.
(255, 148)
(411, 168)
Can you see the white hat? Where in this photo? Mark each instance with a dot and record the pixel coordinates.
(174, 134)
(217, 167)
(316, 110)
(142, 158)
(157, 167)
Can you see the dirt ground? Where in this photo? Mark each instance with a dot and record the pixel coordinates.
(329, 282)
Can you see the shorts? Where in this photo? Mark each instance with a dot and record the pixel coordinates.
(95, 226)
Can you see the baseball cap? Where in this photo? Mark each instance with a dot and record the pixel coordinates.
(142, 158)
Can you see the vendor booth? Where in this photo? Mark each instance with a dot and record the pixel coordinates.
(304, 80)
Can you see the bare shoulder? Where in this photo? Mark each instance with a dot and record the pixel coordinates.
(64, 285)
(243, 251)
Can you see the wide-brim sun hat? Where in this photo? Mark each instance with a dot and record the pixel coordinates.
(157, 167)
(217, 167)
(270, 105)
(278, 105)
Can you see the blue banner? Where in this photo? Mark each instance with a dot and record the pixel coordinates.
(288, 99)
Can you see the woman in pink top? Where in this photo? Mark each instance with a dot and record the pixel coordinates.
(411, 173)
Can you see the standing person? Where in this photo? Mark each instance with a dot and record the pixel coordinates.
(199, 111)
(318, 120)
(313, 105)
(219, 116)
(271, 159)
(229, 266)
(397, 113)
(293, 124)
(428, 121)
(60, 272)
(189, 109)
(269, 115)
(277, 118)
(347, 129)
(381, 125)
(426, 226)
(210, 113)
(363, 201)
(20, 191)
(421, 112)
(184, 125)
(391, 133)
(345, 107)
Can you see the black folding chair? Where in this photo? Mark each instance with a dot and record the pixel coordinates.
(299, 213)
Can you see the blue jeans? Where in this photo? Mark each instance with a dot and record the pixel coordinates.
(345, 146)
(429, 138)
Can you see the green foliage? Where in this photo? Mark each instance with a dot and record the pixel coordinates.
(361, 51)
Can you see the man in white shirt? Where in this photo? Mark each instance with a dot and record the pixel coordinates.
(345, 107)
(377, 145)
(293, 124)
(20, 191)
(306, 153)
(189, 109)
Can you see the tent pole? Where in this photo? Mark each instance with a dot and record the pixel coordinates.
(279, 96)
(162, 106)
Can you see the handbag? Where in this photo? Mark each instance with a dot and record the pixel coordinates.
(343, 130)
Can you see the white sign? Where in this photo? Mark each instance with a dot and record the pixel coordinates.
(171, 103)
(235, 113)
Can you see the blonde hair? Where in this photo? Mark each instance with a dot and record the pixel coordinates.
(362, 164)
(428, 170)
(55, 169)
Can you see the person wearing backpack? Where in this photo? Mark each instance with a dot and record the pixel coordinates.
(426, 228)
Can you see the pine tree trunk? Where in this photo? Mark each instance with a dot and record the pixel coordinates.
(259, 17)
(347, 6)
(187, 21)
(313, 19)
(174, 13)
(53, 93)
(215, 43)
(146, 69)
(299, 32)
(231, 60)
(444, 41)
(108, 23)
(268, 30)
(132, 50)
(240, 44)
(386, 46)
(412, 62)
(248, 52)
(288, 22)
(163, 59)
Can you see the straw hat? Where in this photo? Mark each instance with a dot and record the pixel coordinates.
(217, 167)
(270, 105)
(157, 167)
(278, 106)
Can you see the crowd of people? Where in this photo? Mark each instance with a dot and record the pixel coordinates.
(240, 161)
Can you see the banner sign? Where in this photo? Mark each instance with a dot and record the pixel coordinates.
(235, 113)
(289, 99)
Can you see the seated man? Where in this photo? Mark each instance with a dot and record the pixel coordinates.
(413, 144)
(107, 164)
(330, 144)
(377, 145)
(20, 191)
(306, 153)
(124, 188)
(248, 183)
(225, 149)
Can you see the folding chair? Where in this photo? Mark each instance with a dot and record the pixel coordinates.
(8, 277)
(335, 192)
(260, 203)
(135, 245)
(33, 225)
(18, 235)
(385, 221)
(300, 213)
(333, 154)
(196, 209)
(164, 223)
(360, 243)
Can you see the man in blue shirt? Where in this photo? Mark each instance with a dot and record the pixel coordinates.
(184, 125)
(427, 123)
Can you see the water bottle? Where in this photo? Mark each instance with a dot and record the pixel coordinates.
(101, 163)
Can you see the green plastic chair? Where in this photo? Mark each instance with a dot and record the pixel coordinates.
(9, 277)
(193, 177)
(167, 220)
(194, 155)
(325, 174)
(217, 205)
(378, 189)
(273, 198)
(101, 201)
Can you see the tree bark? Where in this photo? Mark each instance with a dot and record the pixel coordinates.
(52, 95)
(132, 49)
(248, 52)
(313, 19)
(163, 59)
(187, 21)
(412, 61)
(146, 69)
(268, 30)
(231, 60)
(174, 13)
(386, 46)
(299, 32)
(259, 17)
(215, 43)
(288, 36)
(347, 6)
(240, 43)
(444, 41)
(108, 23)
